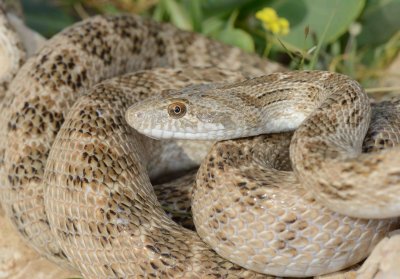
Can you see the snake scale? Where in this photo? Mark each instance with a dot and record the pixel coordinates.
(75, 176)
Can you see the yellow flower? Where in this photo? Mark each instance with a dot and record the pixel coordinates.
(267, 15)
(271, 21)
(283, 25)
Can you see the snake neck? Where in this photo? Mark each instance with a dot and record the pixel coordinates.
(274, 103)
(336, 128)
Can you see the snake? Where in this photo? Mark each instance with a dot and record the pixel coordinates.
(76, 178)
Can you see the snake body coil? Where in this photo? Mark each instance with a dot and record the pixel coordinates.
(74, 175)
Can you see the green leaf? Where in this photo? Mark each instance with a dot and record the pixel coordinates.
(237, 37)
(46, 17)
(110, 9)
(380, 21)
(212, 7)
(196, 14)
(212, 25)
(158, 13)
(325, 18)
(178, 15)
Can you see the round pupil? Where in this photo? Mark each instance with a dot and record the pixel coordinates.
(177, 109)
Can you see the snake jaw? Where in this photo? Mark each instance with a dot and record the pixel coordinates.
(153, 121)
(152, 117)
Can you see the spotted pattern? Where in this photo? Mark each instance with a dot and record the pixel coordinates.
(90, 203)
(44, 89)
(99, 196)
(268, 218)
(331, 123)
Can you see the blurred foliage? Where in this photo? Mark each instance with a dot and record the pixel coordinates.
(355, 37)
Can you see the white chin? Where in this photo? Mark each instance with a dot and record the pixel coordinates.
(210, 135)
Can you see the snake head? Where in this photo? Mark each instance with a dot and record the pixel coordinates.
(195, 112)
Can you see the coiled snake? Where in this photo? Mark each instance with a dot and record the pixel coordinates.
(74, 175)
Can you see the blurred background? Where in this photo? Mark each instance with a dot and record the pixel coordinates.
(360, 38)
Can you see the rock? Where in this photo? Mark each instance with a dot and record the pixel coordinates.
(384, 261)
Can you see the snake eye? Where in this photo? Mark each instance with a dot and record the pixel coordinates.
(177, 109)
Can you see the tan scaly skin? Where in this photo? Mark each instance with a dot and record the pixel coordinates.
(331, 114)
(100, 210)
(259, 217)
(36, 106)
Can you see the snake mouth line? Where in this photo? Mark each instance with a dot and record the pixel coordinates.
(218, 134)
(164, 134)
